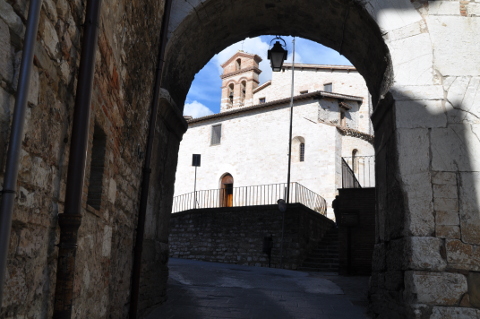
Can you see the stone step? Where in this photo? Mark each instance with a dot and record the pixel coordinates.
(323, 269)
(321, 260)
(324, 257)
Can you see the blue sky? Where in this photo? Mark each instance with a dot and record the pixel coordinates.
(204, 95)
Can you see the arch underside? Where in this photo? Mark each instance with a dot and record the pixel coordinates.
(342, 25)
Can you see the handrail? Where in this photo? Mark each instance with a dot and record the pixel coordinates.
(348, 176)
(358, 171)
(249, 196)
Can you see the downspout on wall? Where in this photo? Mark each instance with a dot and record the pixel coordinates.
(16, 136)
(138, 248)
(70, 220)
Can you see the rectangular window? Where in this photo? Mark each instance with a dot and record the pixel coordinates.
(261, 100)
(304, 92)
(216, 134)
(328, 87)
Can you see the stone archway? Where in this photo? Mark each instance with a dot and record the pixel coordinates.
(342, 25)
(426, 176)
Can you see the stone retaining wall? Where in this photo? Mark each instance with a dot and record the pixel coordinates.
(236, 234)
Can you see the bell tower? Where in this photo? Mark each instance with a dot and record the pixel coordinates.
(239, 79)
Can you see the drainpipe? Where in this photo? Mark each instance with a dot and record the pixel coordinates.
(137, 251)
(16, 134)
(70, 220)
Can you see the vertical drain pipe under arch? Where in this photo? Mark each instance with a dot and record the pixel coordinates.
(137, 250)
(16, 134)
(71, 218)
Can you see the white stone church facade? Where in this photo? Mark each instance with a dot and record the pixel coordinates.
(247, 142)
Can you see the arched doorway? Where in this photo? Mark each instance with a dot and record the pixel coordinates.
(226, 191)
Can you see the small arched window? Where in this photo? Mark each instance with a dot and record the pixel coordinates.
(230, 93)
(243, 90)
(354, 160)
(298, 149)
(238, 64)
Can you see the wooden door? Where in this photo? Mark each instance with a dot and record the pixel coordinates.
(226, 191)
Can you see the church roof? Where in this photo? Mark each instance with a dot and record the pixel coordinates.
(306, 96)
(320, 66)
(261, 87)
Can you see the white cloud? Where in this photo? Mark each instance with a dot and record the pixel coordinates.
(196, 109)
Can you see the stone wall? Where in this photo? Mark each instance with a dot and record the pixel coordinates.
(236, 234)
(127, 48)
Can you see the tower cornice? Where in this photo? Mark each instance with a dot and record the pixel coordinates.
(252, 68)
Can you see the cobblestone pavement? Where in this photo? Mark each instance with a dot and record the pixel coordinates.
(199, 289)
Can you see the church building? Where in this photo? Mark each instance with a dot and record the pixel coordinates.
(246, 144)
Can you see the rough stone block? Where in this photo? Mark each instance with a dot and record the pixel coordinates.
(435, 288)
(107, 241)
(446, 231)
(414, 169)
(452, 148)
(474, 289)
(443, 8)
(454, 313)
(462, 256)
(444, 35)
(50, 9)
(426, 253)
(112, 191)
(474, 8)
(418, 62)
(379, 257)
(469, 217)
(50, 38)
(6, 66)
(394, 280)
(8, 15)
(447, 218)
(396, 255)
(389, 19)
(420, 114)
(417, 92)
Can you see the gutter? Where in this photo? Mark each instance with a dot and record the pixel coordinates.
(71, 219)
(138, 248)
(16, 135)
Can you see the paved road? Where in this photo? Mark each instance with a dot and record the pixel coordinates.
(212, 290)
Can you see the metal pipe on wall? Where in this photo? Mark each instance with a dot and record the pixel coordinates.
(70, 220)
(16, 135)
(137, 251)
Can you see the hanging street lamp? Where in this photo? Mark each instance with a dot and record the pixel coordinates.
(277, 54)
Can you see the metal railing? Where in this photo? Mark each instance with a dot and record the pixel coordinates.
(249, 196)
(358, 171)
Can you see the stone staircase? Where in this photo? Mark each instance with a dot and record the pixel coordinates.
(325, 256)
